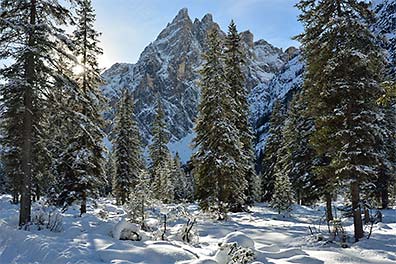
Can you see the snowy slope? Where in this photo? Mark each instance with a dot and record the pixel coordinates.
(274, 239)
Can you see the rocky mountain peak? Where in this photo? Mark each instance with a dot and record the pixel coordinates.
(168, 70)
(248, 38)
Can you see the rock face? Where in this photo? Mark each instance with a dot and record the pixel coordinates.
(167, 70)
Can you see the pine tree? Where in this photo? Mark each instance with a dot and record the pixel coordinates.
(127, 149)
(31, 35)
(140, 199)
(299, 157)
(271, 151)
(110, 173)
(161, 158)
(234, 60)
(282, 197)
(220, 179)
(344, 69)
(83, 159)
(180, 181)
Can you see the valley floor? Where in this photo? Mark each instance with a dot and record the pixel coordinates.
(88, 239)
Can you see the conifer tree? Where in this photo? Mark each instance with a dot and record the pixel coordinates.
(299, 157)
(110, 173)
(235, 78)
(161, 158)
(31, 35)
(179, 180)
(344, 69)
(282, 197)
(127, 149)
(140, 199)
(83, 160)
(271, 151)
(220, 179)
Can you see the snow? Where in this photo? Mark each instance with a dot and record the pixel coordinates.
(273, 238)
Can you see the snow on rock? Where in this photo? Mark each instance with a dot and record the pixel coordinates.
(125, 230)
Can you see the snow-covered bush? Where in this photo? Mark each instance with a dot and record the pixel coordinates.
(236, 248)
(47, 217)
(124, 230)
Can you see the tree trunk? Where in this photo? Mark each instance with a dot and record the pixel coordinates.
(26, 162)
(329, 209)
(83, 208)
(357, 216)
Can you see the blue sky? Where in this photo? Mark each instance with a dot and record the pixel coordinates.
(128, 26)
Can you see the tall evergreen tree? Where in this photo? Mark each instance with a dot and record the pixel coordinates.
(220, 179)
(282, 197)
(344, 68)
(127, 149)
(161, 158)
(299, 157)
(83, 159)
(180, 181)
(270, 157)
(30, 36)
(235, 78)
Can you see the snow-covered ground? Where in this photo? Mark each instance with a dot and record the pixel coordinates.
(272, 238)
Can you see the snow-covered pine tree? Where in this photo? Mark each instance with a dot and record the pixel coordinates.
(343, 74)
(387, 150)
(220, 180)
(299, 157)
(161, 158)
(270, 157)
(140, 198)
(31, 35)
(282, 199)
(83, 160)
(127, 149)
(179, 180)
(235, 78)
(110, 172)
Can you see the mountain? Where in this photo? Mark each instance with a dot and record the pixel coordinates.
(167, 70)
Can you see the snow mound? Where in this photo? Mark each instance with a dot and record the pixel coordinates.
(240, 238)
(124, 230)
(204, 261)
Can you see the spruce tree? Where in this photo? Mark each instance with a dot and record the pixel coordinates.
(299, 157)
(282, 197)
(127, 149)
(220, 179)
(235, 78)
(270, 157)
(31, 35)
(140, 199)
(161, 158)
(83, 160)
(344, 69)
(179, 180)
